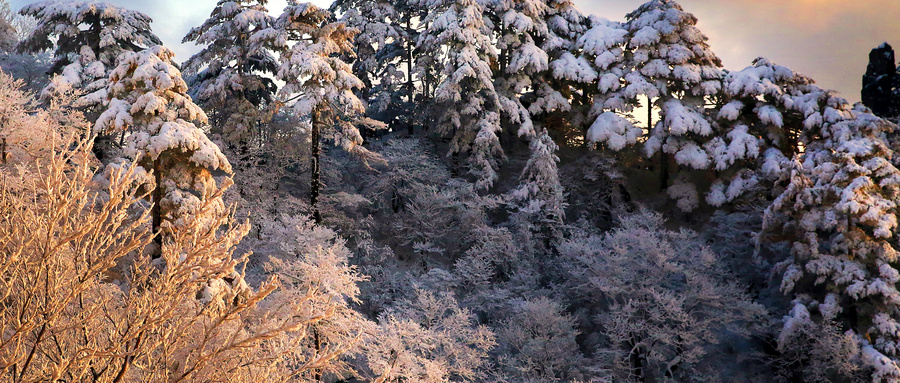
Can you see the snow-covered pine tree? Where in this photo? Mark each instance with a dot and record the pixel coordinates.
(468, 105)
(839, 213)
(613, 121)
(317, 81)
(562, 95)
(518, 25)
(150, 110)
(385, 56)
(669, 63)
(765, 113)
(87, 37)
(232, 76)
(8, 34)
(540, 193)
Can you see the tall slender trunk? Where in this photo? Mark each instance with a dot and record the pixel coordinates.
(638, 357)
(663, 157)
(409, 65)
(314, 183)
(502, 59)
(156, 211)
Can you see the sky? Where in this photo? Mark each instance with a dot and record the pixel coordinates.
(828, 40)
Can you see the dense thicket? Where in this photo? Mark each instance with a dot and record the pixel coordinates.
(516, 192)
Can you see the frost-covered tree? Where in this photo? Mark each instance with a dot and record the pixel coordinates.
(307, 257)
(560, 96)
(839, 213)
(232, 74)
(540, 193)
(537, 343)
(428, 338)
(87, 38)
(661, 300)
(83, 302)
(150, 111)
(317, 82)
(468, 105)
(669, 64)
(385, 55)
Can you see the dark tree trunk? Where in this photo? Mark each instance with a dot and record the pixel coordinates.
(409, 68)
(314, 183)
(637, 358)
(663, 157)
(156, 211)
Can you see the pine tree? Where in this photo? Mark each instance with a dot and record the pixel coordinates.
(561, 96)
(150, 110)
(233, 75)
(672, 63)
(385, 55)
(8, 34)
(839, 213)
(319, 83)
(87, 37)
(468, 104)
(669, 63)
(765, 114)
(540, 193)
(519, 25)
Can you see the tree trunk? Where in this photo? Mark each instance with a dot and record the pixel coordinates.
(663, 158)
(637, 358)
(314, 183)
(409, 67)
(156, 211)
(318, 345)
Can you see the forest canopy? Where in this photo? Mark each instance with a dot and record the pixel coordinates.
(435, 191)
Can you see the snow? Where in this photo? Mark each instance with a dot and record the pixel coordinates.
(731, 110)
(601, 39)
(681, 120)
(685, 195)
(692, 155)
(768, 114)
(613, 130)
(573, 68)
(645, 36)
(794, 322)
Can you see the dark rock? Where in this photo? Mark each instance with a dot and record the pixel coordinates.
(879, 82)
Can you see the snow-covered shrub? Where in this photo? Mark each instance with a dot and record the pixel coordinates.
(662, 299)
(818, 352)
(428, 338)
(537, 344)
